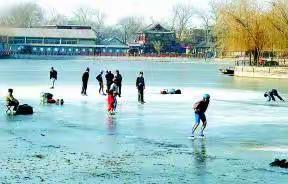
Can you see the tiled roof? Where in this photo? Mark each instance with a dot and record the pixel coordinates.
(48, 33)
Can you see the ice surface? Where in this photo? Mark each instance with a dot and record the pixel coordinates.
(80, 143)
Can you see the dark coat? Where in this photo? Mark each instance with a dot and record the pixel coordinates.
(85, 77)
(53, 74)
(140, 83)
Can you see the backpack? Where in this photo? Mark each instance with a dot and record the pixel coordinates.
(24, 110)
(48, 96)
(178, 91)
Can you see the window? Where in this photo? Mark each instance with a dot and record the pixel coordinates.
(48, 49)
(69, 41)
(41, 49)
(34, 49)
(117, 50)
(83, 50)
(52, 41)
(16, 40)
(110, 50)
(62, 50)
(34, 40)
(104, 50)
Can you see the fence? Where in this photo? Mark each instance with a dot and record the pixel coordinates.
(280, 62)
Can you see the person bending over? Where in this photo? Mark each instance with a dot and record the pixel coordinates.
(271, 95)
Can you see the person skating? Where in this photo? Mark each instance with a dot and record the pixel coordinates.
(53, 77)
(270, 95)
(200, 109)
(11, 101)
(85, 78)
(140, 85)
(100, 81)
(109, 79)
(111, 102)
(118, 78)
(114, 88)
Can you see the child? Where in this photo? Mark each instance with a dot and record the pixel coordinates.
(111, 102)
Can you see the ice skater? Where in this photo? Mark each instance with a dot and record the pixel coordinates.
(270, 95)
(85, 78)
(200, 109)
(140, 85)
(114, 88)
(53, 77)
(100, 81)
(118, 77)
(109, 79)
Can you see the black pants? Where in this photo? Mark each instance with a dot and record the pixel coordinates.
(108, 86)
(14, 103)
(84, 88)
(101, 87)
(141, 95)
(119, 88)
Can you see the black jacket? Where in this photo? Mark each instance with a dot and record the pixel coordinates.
(85, 76)
(99, 78)
(118, 79)
(53, 74)
(140, 83)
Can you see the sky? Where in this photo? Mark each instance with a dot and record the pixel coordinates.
(114, 10)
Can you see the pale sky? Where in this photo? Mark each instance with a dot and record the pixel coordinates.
(116, 9)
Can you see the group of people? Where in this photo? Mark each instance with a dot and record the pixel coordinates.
(113, 89)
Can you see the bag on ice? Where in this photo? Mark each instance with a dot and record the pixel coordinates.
(24, 110)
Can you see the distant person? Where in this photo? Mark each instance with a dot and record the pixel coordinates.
(140, 85)
(53, 77)
(270, 95)
(118, 78)
(109, 79)
(85, 78)
(100, 81)
(115, 90)
(200, 109)
(11, 101)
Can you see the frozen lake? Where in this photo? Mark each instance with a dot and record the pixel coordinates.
(80, 143)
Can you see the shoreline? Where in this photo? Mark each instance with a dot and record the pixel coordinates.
(119, 58)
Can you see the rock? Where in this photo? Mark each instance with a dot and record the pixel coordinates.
(279, 163)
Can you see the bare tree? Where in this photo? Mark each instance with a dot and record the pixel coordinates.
(182, 15)
(23, 15)
(89, 16)
(129, 27)
(55, 18)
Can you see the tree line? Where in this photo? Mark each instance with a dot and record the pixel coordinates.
(32, 15)
(254, 27)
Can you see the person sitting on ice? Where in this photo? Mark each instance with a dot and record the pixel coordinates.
(11, 101)
(270, 95)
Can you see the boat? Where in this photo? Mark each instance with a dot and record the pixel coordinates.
(227, 71)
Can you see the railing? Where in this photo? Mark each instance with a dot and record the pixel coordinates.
(104, 54)
(280, 62)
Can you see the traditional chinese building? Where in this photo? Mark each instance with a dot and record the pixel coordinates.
(155, 33)
(59, 40)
